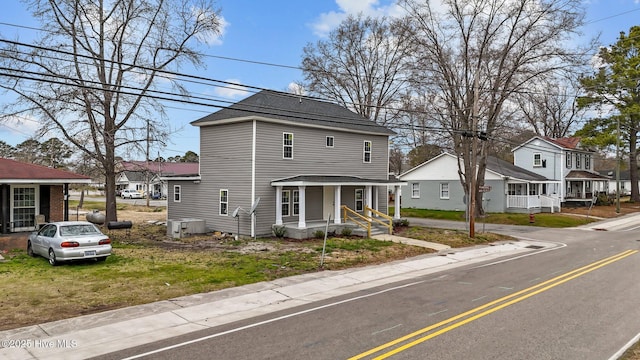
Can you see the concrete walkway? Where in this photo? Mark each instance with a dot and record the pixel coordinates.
(414, 242)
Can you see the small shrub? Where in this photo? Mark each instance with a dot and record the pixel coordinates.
(400, 223)
(318, 234)
(346, 231)
(279, 231)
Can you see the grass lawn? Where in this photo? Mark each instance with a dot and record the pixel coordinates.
(555, 220)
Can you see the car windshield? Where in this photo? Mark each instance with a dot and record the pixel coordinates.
(81, 229)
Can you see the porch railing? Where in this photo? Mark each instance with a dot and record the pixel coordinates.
(387, 222)
(532, 201)
(359, 219)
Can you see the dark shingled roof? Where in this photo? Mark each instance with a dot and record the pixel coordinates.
(508, 169)
(583, 174)
(333, 179)
(296, 109)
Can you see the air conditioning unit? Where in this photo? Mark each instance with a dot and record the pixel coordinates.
(179, 228)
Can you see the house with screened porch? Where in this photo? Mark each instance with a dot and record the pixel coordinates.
(276, 159)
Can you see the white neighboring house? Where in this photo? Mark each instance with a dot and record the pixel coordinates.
(566, 161)
(435, 184)
(133, 175)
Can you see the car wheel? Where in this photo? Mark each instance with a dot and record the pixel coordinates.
(101, 259)
(30, 250)
(52, 258)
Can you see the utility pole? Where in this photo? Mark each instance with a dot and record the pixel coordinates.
(474, 151)
(147, 162)
(618, 165)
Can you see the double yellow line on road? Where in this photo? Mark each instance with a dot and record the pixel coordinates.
(490, 307)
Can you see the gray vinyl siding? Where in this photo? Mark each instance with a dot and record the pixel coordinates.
(225, 163)
(226, 160)
(310, 157)
(523, 157)
(430, 196)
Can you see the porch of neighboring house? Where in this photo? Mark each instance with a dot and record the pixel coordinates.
(533, 197)
(584, 187)
(25, 207)
(311, 200)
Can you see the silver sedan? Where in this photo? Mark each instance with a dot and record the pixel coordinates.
(69, 240)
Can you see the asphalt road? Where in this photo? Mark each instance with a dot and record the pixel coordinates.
(578, 300)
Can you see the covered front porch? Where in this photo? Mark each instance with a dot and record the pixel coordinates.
(583, 187)
(536, 196)
(303, 202)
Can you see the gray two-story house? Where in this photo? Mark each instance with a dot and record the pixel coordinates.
(566, 161)
(280, 159)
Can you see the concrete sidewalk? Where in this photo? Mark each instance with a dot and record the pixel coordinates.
(92, 335)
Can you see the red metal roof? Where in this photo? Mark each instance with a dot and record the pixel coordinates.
(163, 168)
(567, 142)
(15, 170)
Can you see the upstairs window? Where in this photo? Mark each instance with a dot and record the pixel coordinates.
(329, 141)
(177, 193)
(287, 145)
(366, 155)
(537, 160)
(578, 161)
(224, 202)
(569, 160)
(587, 161)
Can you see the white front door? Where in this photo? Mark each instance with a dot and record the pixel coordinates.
(328, 200)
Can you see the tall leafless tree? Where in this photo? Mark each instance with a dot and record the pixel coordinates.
(478, 54)
(362, 66)
(550, 106)
(90, 75)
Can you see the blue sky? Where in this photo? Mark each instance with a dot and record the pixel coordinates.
(275, 32)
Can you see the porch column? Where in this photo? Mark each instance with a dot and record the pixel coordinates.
(337, 202)
(368, 199)
(584, 189)
(301, 207)
(278, 205)
(527, 196)
(396, 202)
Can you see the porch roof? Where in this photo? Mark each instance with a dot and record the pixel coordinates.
(334, 180)
(585, 175)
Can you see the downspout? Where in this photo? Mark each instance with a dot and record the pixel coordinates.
(253, 177)
(66, 202)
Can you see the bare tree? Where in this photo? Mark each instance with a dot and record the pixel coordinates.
(478, 54)
(91, 74)
(550, 106)
(362, 66)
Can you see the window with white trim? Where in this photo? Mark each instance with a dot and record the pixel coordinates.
(296, 202)
(537, 159)
(587, 161)
(366, 152)
(177, 193)
(578, 158)
(415, 190)
(569, 155)
(224, 202)
(359, 203)
(286, 202)
(444, 191)
(329, 141)
(287, 145)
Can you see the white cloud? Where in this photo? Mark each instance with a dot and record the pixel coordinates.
(232, 91)
(19, 128)
(330, 20)
(296, 88)
(211, 38)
